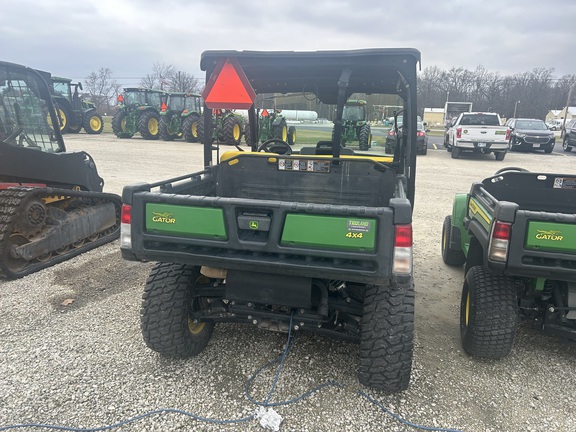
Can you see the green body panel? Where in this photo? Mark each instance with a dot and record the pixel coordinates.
(184, 220)
(329, 232)
(478, 212)
(458, 214)
(551, 236)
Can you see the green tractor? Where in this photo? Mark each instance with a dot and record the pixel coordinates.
(138, 111)
(75, 113)
(271, 124)
(355, 125)
(227, 127)
(179, 116)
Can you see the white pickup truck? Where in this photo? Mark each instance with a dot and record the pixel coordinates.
(477, 132)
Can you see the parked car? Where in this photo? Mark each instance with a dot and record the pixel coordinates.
(569, 140)
(554, 124)
(530, 134)
(421, 139)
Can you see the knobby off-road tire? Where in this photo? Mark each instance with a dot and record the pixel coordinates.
(387, 337)
(93, 123)
(232, 130)
(280, 131)
(119, 125)
(200, 129)
(247, 135)
(365, 137)
(488, 314)
(450, 257)
(165, 128)
(167, 302)
(190, 128)
(148, 125)
(291, 135)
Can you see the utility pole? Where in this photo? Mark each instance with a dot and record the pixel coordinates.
(563, 128)
(515, 106)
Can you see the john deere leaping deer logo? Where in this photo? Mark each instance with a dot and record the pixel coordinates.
(254, 225)
(553, 235)
(165, 217)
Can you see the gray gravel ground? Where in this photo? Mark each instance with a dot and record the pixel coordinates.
(85, 364)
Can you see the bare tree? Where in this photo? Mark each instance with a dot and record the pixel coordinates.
(160, 77)
(184, 82)
(102, 88)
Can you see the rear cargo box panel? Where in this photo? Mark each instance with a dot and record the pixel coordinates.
(550, 236)
(200, 222)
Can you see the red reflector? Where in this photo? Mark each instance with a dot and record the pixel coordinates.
(403, 236)
(501, 230)
(126, 216)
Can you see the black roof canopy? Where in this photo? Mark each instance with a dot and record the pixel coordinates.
(378, 70)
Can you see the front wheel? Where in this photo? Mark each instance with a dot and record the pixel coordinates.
(488, 314)
(149, 125)
(190, 128)
(387, 337)
(450, 257)
(168, 305)
(365, 137)
(280, 131)
(291, 135)
(565, 145)
(93, 123)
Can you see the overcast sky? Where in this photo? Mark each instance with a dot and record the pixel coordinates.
(73, 38)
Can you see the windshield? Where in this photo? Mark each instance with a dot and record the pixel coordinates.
(531, 125)
(480, 120)
(62, 89)
(193, 103)
(353, 113)
(176, 103)
(136, 98)
(25, 120)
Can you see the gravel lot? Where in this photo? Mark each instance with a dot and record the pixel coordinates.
(85, 364)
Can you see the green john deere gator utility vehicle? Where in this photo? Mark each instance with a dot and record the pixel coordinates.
(179, 116)
(138, 111)
(319, 238)
(75, 113)
(515, 232)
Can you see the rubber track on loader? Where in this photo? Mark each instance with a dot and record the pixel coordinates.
(12, 202)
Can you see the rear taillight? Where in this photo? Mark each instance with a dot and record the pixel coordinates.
(458, 132)
(421, 134)
(125, 220)
(499, 241)
(391, 133)
(507, 134)
(402, 264)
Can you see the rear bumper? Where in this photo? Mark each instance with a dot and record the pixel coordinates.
(482, 145)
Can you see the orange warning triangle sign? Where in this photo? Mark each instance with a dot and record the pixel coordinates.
(228, 87)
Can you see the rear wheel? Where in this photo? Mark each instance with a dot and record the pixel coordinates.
(190, 128)
(565, 145)
(455, 152)
(291, 135)
(387, 337)
(247, 135)
(168, 302)
(200, 129)
(93, 123)
(280, 131)
(232, 130)
(63, 117)
(450, 256)
(169, 126)
(120, 125)
(365, 137)
(148, 125)
(488, 314)
(500, 155)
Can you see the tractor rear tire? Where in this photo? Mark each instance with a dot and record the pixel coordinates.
(63, 118)
(119, 125)
(291, 135)
(280, 131)
(450, 257)
(232, 130)
(200, 129)
(387, 337)
(190, 128)
(93, 123)
(148, 125)
(248, 135)
(488, 314)
(165, 316)
(166, 127)
(365, 137)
